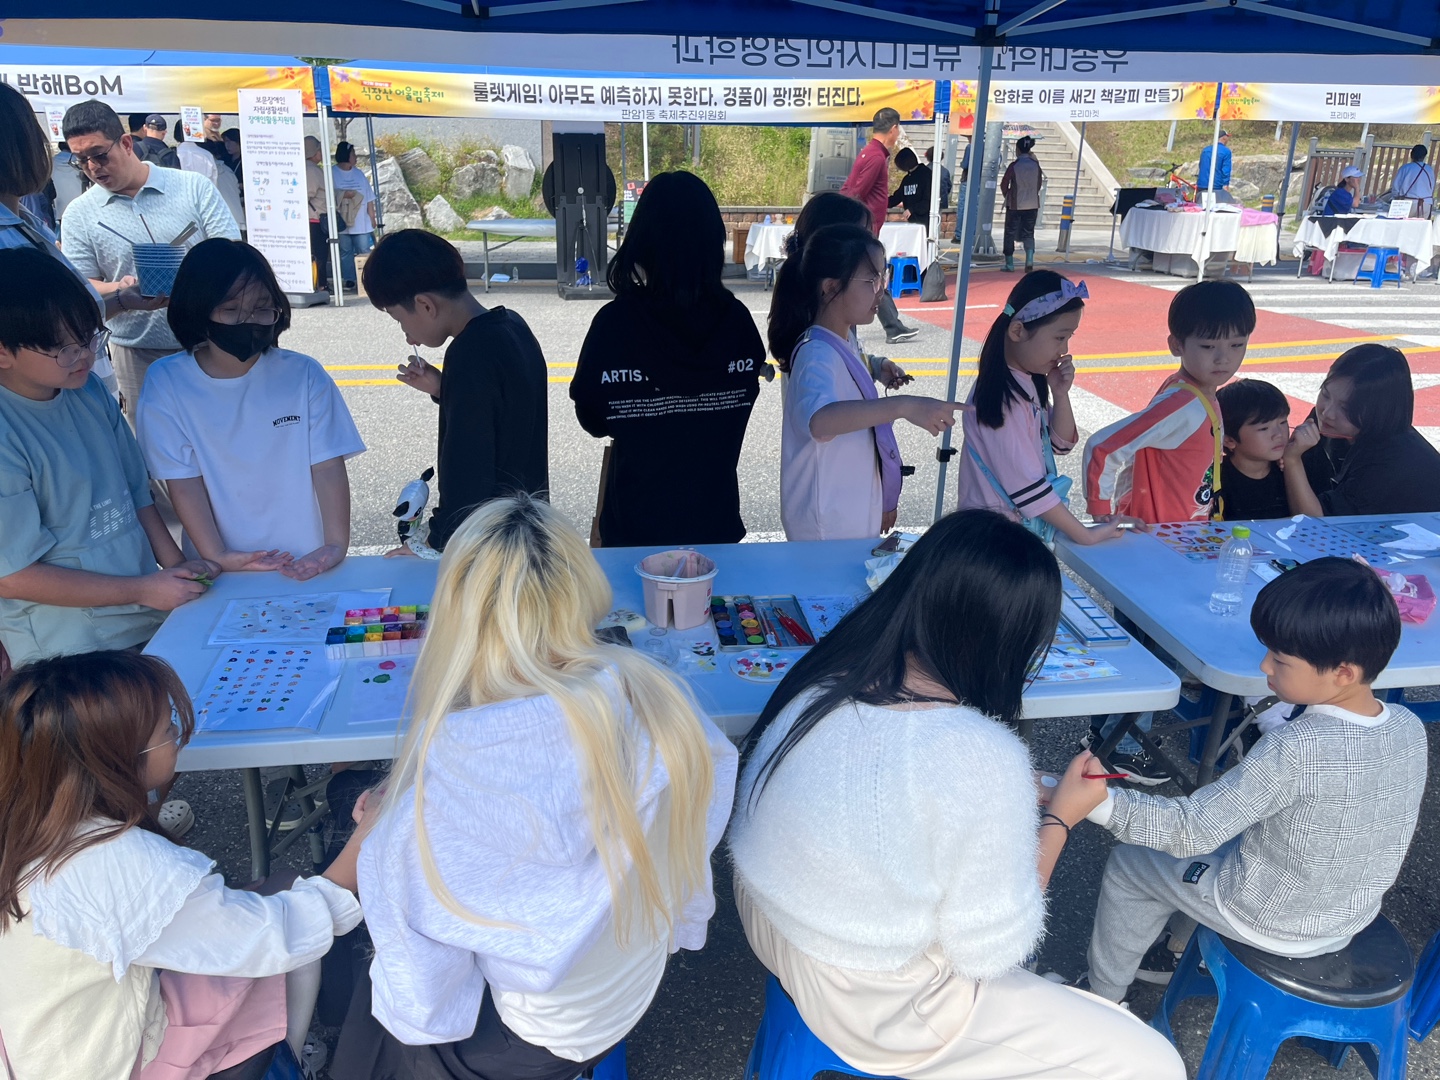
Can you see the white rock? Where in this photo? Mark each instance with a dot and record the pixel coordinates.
(441, 217)
(419, 170)
(519, 172)
(480, 178)
(400, 209)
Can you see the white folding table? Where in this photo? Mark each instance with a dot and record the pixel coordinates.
(831, 568)
(1167, 596)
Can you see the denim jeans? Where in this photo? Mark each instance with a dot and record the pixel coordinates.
(352, 244)
(1128, 743)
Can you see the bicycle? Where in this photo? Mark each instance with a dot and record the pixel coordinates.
(1187, 190)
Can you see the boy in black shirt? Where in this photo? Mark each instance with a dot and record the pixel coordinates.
(914, 191)
(493, 392)
(1256, 417)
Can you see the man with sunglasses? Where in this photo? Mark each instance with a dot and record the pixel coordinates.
(131, 202)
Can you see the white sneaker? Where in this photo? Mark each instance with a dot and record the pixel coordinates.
(176, 818)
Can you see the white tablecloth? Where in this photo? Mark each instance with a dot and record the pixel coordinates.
(1185, 234)
(767, 242)
(1416, 237)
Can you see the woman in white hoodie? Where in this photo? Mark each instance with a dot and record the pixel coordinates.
(544, 842)
(890, 859)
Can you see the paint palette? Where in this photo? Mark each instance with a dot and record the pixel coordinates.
(1197, 541)
(265, 687)
(388, 631)
(749, 622)
(761, 665)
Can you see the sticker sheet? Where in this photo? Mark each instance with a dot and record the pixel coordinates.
(266, 687)
(1198, 541)
(1068, 660)
(823, 612)
(1329, 538)
(302, 619)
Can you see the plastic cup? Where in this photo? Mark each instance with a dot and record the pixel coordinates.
(676, 587)
(156, 266)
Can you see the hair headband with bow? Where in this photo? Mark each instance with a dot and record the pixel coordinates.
(1044, 305)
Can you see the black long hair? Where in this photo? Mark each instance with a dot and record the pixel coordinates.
(970, 606)
(836, 251)
(825, 208)
(1382, 398)
(993, 385)
(674, 248)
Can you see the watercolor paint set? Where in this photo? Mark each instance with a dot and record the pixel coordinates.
(370, 632)
(748, 622)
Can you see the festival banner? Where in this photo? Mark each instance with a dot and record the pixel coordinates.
(277, 212)
(140, 89)
(1085, 102)
(1332, 102)
(658, 100)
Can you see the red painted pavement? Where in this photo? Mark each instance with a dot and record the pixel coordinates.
(1128, 317)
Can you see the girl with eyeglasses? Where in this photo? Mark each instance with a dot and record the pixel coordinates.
(840, 468)
(81, 543)
(250, 439)
(125, 956)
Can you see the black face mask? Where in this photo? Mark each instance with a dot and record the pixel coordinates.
(244, 341)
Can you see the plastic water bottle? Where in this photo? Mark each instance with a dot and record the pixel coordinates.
(1230, 574)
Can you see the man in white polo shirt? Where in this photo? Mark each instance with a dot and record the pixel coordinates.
(131, 202)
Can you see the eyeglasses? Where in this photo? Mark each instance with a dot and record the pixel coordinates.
(81, 162)
(265, 316)
(877, 284)
(174, 739)
(74, 355)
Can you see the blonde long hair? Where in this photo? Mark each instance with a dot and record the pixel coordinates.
(514, 612)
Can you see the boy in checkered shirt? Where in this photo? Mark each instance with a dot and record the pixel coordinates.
(1293, 849)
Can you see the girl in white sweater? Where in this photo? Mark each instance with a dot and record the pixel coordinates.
(544, 843)
(124, 955)
(890, 860)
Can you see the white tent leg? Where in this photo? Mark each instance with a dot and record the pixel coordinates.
(937, 166)
(1209, 203)
(325, 156)
(970, 216)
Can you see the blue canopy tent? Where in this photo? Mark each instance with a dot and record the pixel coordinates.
(956, 34)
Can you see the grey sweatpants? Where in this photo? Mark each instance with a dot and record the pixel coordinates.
(131, 364)
(1142, 890)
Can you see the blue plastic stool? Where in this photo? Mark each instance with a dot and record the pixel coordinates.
(904, 275)
(612, 1065)
(785, 1049)
(1425, 996)
(1356, 996)
(1378, 274)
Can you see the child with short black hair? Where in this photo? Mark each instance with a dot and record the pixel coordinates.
(493, 395)
(81, 537)
(1257, 429)
(1293, 849)
(1162, 464)
(251, 439)
(1359, 452)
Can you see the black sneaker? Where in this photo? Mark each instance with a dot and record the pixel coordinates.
(1159, 964)
(905, 333)
(1139, 768)
(1083, 983)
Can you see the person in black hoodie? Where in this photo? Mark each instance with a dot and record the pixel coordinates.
(669, 371)
(1359, 452)
(914, 191)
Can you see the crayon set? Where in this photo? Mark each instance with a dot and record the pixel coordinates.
(388, 631)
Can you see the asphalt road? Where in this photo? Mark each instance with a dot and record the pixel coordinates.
(705, 1014)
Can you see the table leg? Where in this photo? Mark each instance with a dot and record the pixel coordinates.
(1214, 736)
(255, 815)
(307, 808)
(1026, 727)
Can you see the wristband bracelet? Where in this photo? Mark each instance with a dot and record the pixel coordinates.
(1052, 819)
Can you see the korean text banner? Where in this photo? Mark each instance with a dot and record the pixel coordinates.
(1083, 102)
(1333, 101)
(720, 100)
(153, 89)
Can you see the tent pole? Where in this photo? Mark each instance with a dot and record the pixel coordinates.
(971, 214)
(1210, 184)
(937, 164)
(325, 167)
(1289, 165)
(379, 221)
(1075, 190)
(645, 140)
(624, 187)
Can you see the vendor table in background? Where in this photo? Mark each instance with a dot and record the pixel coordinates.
(767, 242)
(834, 568)
(1416, 237)
(1167, 597)
(517, 229)
(1186, 233)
